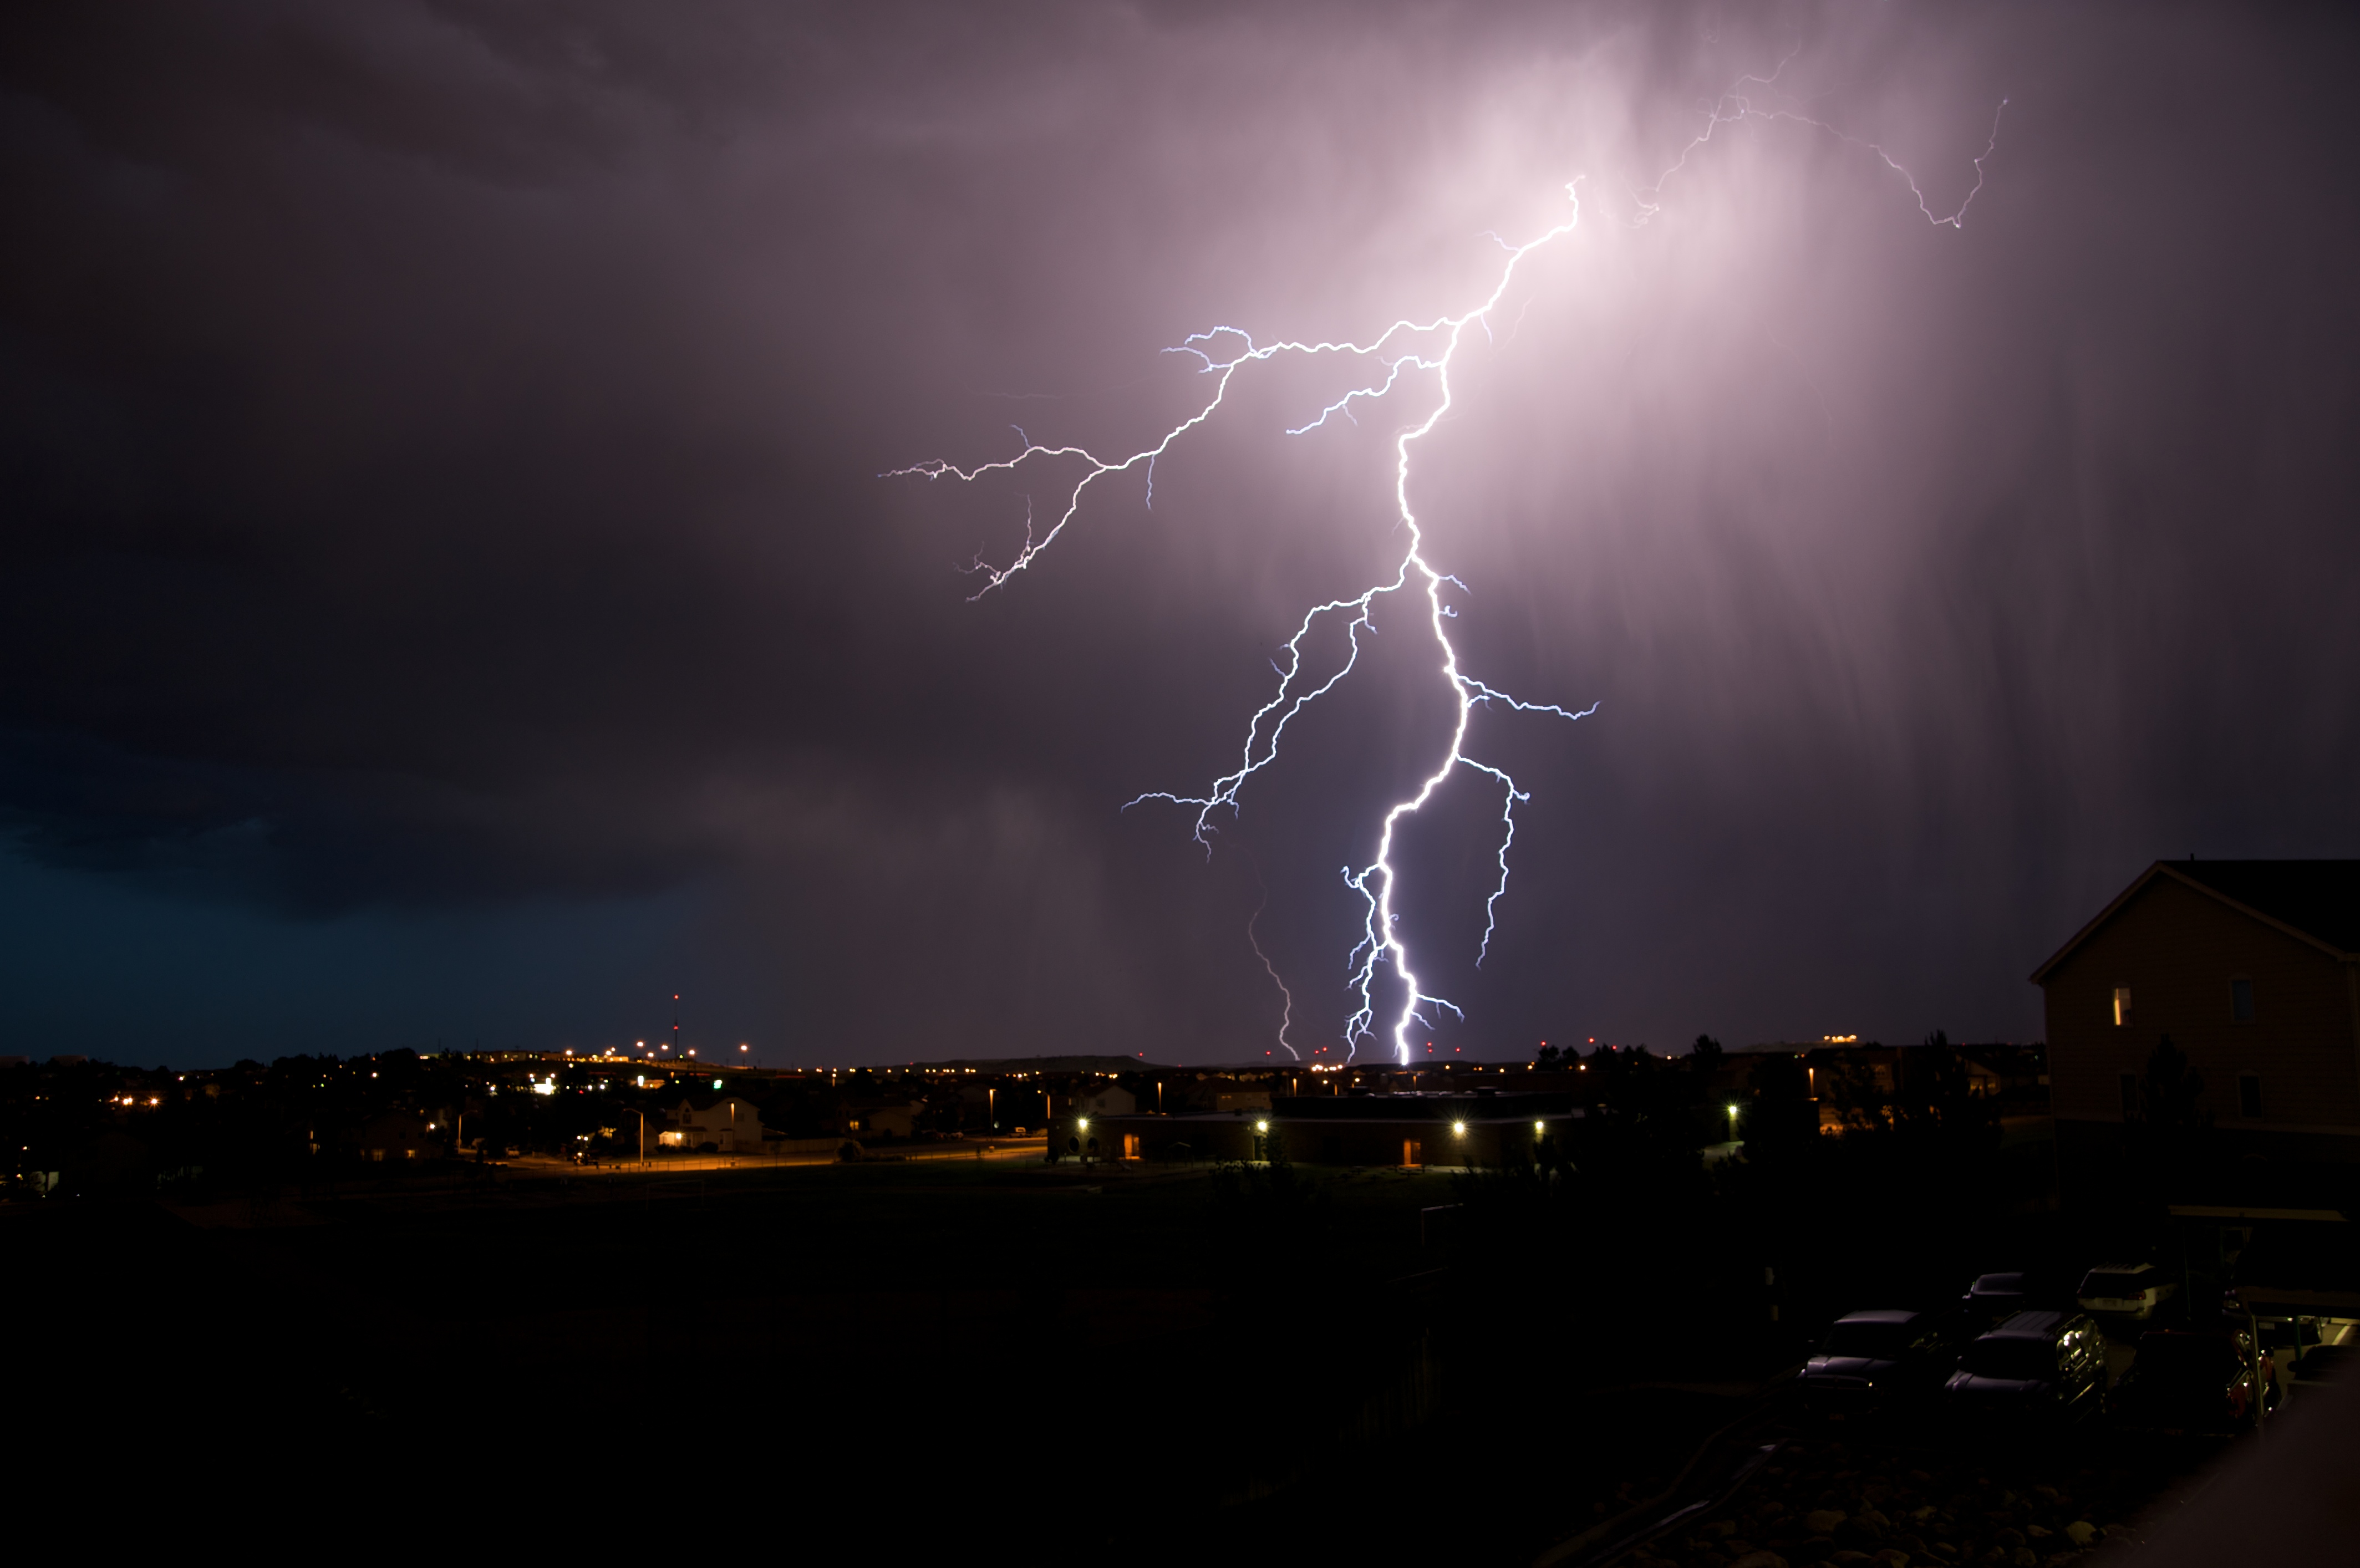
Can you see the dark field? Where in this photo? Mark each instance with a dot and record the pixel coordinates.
(1265, 1363)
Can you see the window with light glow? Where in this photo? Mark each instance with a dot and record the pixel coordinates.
(2121, 1007)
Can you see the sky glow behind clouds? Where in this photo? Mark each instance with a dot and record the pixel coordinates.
(440, 518)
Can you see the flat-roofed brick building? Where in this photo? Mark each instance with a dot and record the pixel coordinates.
(2252, 969)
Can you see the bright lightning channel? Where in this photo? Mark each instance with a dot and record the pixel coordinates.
(1428, 347)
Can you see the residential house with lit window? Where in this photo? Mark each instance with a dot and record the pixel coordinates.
(871, 1119)
(2251, 968)
(729, 1125)
(399, 1137)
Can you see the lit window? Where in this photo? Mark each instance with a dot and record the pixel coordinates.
(2241, 1000)
(2121, 1006)
(2249, 1096)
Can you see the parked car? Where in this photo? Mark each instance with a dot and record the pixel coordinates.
(1881, 1357)
(1995, 1298)
(2196, 1380)
(2127, 1290)
(2321, 1363)
(2040, 1366)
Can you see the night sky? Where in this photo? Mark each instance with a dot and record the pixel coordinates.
(449, 596)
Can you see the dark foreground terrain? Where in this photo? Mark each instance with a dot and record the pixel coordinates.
(1170, 1363)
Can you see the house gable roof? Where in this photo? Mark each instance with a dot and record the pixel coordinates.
(2317, 902)
(2319, 898)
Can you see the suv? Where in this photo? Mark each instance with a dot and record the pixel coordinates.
(1875, 1358)
(2036, 1365)
(2131, 1290)
(2196, 1380)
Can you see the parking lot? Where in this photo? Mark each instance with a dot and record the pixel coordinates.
(1912, 1473)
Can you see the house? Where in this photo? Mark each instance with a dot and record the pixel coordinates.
(729, 1125)
(2250, 970)
(880, 1118)
(399, 1136)
(1107, 1099)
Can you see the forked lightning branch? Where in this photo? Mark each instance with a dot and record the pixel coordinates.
(1419, 354)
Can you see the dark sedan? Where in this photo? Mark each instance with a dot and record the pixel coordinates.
(1995, 1297)
(1879, 1359)
(2034, 1367)
(2183, 1381)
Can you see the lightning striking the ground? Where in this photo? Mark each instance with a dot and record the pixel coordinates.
(1286, 1019)
(1406, 351)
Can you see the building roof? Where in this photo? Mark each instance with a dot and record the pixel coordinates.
(2318, 897)
(2317, 901)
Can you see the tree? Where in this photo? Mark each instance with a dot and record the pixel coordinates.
(2170, 1095)
(1783, 1115)
(2168, 1143)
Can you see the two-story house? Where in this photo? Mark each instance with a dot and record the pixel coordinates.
(2251, 968)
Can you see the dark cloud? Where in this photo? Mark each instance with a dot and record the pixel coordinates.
(439, 463)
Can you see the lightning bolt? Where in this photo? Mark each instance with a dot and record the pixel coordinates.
(1405, 350)
(1286, 1018)
(1734, 107)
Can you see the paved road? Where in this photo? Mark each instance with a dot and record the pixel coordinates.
(972, 1151)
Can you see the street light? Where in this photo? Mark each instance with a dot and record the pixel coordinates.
(1459, 1128)
(1733, 1121)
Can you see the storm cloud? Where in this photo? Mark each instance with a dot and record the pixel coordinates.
(447, 589)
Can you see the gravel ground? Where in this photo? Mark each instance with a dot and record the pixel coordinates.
(1864, 1500)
